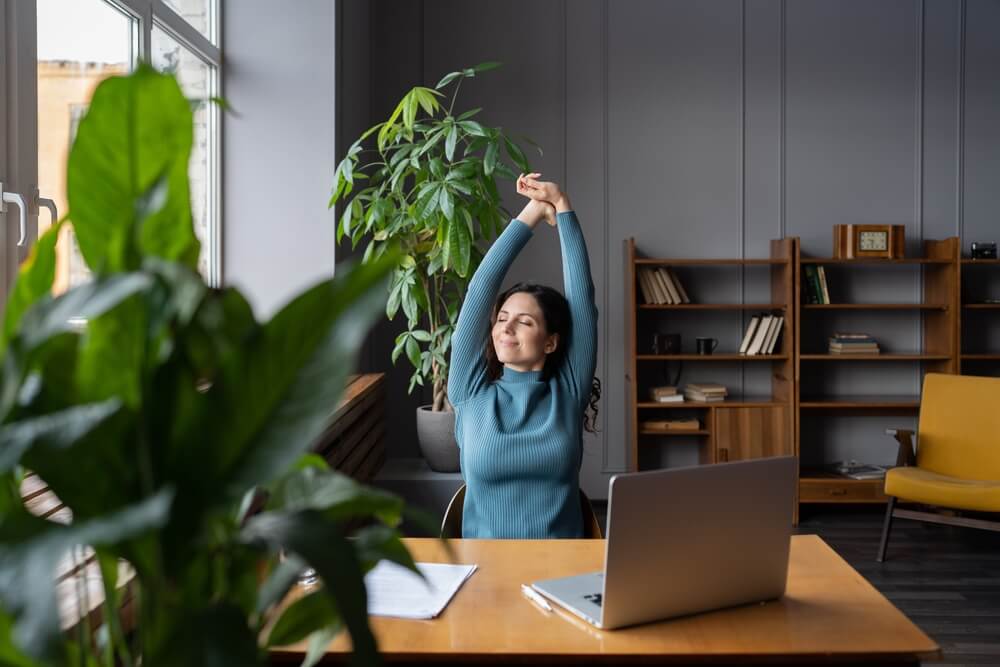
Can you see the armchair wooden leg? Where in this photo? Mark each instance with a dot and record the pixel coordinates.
(886, 527)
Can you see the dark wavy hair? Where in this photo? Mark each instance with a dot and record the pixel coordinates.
(555, 312)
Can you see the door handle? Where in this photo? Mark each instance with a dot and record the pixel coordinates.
(49, 204)
(14, 198)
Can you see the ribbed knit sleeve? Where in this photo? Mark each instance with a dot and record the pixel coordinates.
(467, 370)
(581, 354)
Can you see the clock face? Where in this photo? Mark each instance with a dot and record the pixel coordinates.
(873, 241)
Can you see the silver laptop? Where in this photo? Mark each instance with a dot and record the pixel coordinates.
(687, 540)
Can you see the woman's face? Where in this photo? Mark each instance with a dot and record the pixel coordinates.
(519, 335)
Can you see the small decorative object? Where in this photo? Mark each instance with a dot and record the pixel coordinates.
(868, 241)
(666, 343)
(983, 250)
(665, 394)
(706, 345)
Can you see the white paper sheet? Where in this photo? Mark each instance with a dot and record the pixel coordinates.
(395, 591)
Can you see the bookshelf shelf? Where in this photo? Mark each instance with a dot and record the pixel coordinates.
(713, 306)
(860, 402)
(875, 306)
(711, 357)
(982, 357)
(982, 306)
(674, 432)
(644, 261)
(981, 262)
(730, 402)
(875, 357)
(905, 260)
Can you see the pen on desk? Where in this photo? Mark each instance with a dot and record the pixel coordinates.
(530, 593)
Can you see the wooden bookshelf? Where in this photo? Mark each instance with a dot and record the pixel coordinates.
(734, 428)
(979, 279)
(938, 310)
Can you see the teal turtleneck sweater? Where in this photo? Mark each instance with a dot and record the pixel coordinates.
(520, 437)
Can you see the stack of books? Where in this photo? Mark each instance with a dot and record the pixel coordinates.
(660, 285)
(705, 392)
(814, 289)
(853, 343)
(762, 334)
(665, 395)
(670, 425)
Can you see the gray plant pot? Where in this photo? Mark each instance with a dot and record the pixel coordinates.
(436, 435)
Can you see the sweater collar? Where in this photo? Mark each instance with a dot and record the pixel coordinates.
(510, 375)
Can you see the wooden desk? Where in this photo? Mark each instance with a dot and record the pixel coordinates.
(829, 614)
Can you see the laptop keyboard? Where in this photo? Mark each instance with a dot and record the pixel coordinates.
(594, 597)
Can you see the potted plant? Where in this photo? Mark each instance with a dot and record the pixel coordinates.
(160, 421)
(429, 188)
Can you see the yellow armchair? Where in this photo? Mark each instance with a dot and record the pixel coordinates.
(957, 461)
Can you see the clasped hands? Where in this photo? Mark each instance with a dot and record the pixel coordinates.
(546, 199)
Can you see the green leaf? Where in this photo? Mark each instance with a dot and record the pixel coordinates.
(56, 431)
(517, 155)
(421, 335)
(112, 355)
(313, 611)
(473, 128)
(448, 78)
(318, 642)
(380, 542)
(274, 401)
(449, 145)
(487, 66)
(279, 583)
(320, 543)
(470, 113)
(337, 495)
(490, 159)
(459, 246)
(34, 280)
(446, 202)
(413, 352)
(127, 174)
(30, 549)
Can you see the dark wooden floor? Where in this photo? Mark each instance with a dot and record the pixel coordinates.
(945, 579)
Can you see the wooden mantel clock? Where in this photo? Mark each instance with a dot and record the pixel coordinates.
(868, 241)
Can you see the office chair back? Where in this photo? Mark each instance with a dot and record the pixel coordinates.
(959, 426)
(451, 524)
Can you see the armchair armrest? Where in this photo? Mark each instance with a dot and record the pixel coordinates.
(906, 455)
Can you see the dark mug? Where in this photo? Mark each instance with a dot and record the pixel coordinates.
(666, 343)
(706, 345)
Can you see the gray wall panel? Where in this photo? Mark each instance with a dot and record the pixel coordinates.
(942, 60)
(850, 113)
(981, 185)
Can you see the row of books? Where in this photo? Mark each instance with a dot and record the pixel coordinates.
(853, 343)
(762, 334)
(660, 285)
(814, 289)
(701, 392)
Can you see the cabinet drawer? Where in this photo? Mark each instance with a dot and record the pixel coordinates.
(841, 491)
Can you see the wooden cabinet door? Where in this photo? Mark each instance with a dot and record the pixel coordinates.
(751, 433)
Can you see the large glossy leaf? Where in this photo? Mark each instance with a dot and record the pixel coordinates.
(31, 547)
(34, 280)
(339, 496)
(319, 542)
(57, 431)
(127, 181)
(271, 402)
(313, 611)
(217, 636)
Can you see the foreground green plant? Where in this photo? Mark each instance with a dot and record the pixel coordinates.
(158, 421)
(432, 192)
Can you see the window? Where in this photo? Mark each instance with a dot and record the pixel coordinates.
(76, 44)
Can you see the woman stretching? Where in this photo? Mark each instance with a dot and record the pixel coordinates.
(521, 381)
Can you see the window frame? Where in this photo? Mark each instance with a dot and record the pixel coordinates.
(208, 49)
